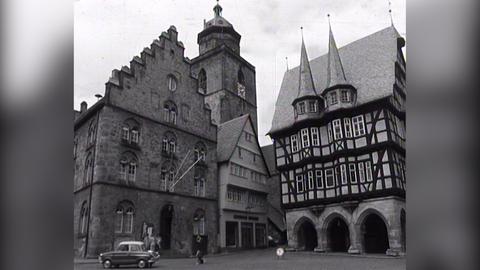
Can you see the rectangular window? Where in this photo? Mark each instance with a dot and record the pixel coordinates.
(330, 136)
(345, 96)
(348, 128)
(329, 177)
(361, 173)
(368, 171)
(305, 138)
(353, 173)
(312, 106)
(358, 126)
(135, 136)
(333, 98)
(299, 183)
(315, 137)
(165, 145)
(337, 129)
(319, 178)
(200, 187)
(311, 183)
(343, 174)
(125, 134)
(294, 143)
(301, 107)
(132, 169)
(166, 114)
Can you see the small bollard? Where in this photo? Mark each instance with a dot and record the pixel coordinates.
(280, 253)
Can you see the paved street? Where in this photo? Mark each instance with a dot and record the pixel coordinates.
(265, 259)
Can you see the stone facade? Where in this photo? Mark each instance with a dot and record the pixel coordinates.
(145, 154)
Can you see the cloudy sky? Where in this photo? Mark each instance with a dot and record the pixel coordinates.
(108, 33)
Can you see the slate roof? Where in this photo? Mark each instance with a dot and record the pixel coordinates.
(369, 65)
(335, 72)
(227, 137)
(269, 156)
(306, 87)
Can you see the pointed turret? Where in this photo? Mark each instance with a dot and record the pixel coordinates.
(338, 92)
(308, 103)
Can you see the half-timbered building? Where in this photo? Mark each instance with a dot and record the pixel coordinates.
(339, 138)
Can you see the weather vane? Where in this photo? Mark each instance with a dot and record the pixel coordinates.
(390, 12)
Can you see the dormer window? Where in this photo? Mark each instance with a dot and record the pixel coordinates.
(312, 106)
(345, 96)
(333, 98)
(301, 108)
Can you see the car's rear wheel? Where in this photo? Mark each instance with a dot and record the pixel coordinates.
(142, 264)
(107, 264)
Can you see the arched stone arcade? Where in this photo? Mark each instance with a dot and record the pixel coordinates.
(306, 234)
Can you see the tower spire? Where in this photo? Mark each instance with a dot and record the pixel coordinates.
(335, 72)
(305, 86)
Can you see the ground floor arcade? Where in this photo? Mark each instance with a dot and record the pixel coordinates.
(370, 226)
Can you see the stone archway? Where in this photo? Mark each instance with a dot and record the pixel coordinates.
(374, 234)
(306, 235)
(338, 235)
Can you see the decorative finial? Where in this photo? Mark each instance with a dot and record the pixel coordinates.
(301, 30)
(286, 58)
(329, 24)
(390, 12)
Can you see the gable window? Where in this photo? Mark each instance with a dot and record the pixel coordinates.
(361, 173)
(333, 98)
(353, 173)
(172, 83)
(337, 129)
(202, 81)
(319, 178)
(368, 171)
(248, 137)
(294, 141)
(343, 174)
(312, 106)
(348, 128)
(315, 138)
(358, 126)
(329, 177)
(345, 96)
(305, 138)
(311, 183)
(300, 183)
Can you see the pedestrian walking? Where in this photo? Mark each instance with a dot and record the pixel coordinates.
(199, 256)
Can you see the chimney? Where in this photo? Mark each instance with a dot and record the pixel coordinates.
(83, 107)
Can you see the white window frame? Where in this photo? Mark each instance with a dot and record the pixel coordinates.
(315, 106)
(343, 174)
(301, 107)
(337, 129)
(311, 183)
(123, 170)
(119, 218)
(353, 171)
(126, 133)
(347, 95)
(294, 143)
(361, 173)
(348, 128)
(358, 125)
(172, 83)
(319, 178)
(129, 215)
(329, 172)
(333, 97)
(299, 180)
(368, 171)
(330, 132)
(165, 145)
(315, 137)
(305, 138)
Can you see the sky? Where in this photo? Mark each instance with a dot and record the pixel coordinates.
(108, 33)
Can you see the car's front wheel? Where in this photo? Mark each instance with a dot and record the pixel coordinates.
(142, 264)
(107, 264)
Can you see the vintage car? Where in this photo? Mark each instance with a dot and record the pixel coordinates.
(129, 253)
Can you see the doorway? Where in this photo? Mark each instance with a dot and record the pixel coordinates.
(166, 217)
(338, 236)
(307, 236)
(375, 235)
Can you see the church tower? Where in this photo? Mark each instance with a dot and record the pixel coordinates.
(224, 77)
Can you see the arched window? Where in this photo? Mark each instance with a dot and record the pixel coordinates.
(91, 133)
(202, 81)
(83, 218)
(200, 151)
(87, 177)
(199, 181)
(128, 167)
(241, 85)
(170, 112)
(124, 215)
(172, 83)
(167, 175)
(131, 131)
(169, 143)
(199, 222)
